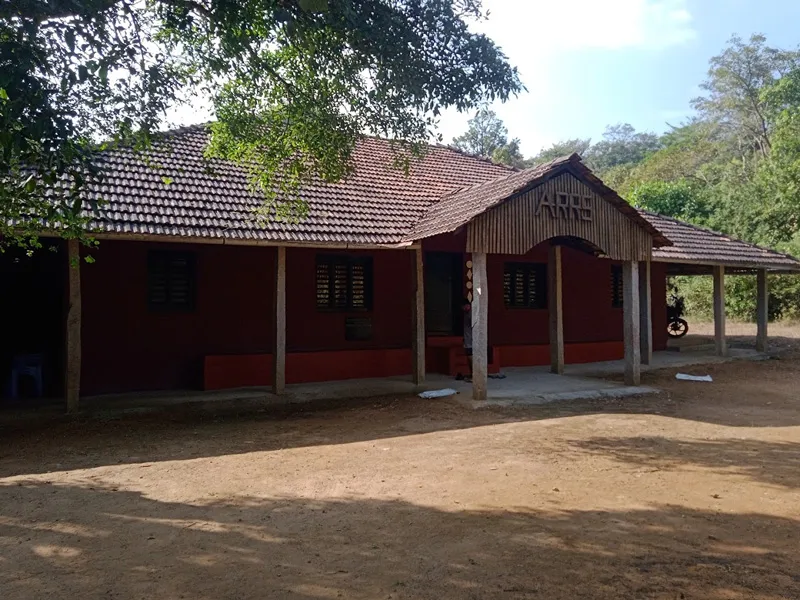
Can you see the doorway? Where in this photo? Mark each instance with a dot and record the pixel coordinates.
(444, 273)
(33, 310)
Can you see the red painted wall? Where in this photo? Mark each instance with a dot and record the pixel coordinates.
(308, 329)
(588, 314)
(127, 348)
(592, 327)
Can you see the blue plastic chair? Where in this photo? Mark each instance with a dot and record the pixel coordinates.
(29, 365)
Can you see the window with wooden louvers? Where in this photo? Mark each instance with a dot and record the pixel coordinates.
(616, 286)
(525, 285)
(171, 281)
(344, 283)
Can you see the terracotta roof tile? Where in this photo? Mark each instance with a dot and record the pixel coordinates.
(460, 207)
(693, 244)
(378, 204)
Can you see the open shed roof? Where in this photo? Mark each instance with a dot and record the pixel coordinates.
(693, 245)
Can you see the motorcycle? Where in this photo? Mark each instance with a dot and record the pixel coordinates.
(677, 327)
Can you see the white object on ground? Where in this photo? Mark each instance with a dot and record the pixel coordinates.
(685, 377)
(437, 393)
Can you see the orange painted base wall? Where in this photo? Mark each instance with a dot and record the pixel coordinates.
(224, 372)
(233, 371)
(539, 354)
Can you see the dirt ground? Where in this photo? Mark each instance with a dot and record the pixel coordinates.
(694, 494)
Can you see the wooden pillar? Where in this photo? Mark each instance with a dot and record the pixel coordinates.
(646, 314)
(72, 372)
(279, 353)
(719, 311)
(418, 339)
(762, 310)
(480, 326)
(631, 316)
(555, 306)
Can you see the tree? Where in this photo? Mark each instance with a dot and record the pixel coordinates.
(674, 199)
(510, 155)
(487, 136)
(562, 148)
(621, 145)
(735, 80)
(293, 83)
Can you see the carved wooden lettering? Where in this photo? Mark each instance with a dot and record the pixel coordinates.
(564, 206)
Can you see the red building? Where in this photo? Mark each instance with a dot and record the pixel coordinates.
(188, 290)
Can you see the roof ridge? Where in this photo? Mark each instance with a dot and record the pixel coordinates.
(541, 166)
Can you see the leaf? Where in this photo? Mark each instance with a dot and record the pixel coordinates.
(3, 94)
(316, 6)
(69, 38)
(167, 180)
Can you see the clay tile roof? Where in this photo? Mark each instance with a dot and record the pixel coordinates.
(693, 244)
(460, 207)
(377, 205)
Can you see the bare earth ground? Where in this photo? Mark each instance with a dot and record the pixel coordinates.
(694, 494)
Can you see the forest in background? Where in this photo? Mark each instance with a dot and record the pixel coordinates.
(734, 166)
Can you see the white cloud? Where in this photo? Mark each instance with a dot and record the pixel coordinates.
(534, 26)
(538, 35)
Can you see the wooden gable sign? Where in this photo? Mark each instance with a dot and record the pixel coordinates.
(563, 206)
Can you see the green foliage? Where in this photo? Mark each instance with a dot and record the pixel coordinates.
(292, 83)
(487, 136)
(740, 297)
(621, 145)
(677, 199)
(736, 79)
(562, 148)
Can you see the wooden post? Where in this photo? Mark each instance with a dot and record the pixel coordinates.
(646, 314)
(719, 311)
(555, 306)
(480, 326)
(279, 353)
(762, 310)
(72, 372)
(631, 316)
(419, 319)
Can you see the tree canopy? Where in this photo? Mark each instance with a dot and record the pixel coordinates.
(487, 136)
(292, 84)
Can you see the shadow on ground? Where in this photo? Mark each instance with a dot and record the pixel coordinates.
(91, 542)
(770, 462)
(744, 394)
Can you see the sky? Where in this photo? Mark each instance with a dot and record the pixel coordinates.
(587, 64)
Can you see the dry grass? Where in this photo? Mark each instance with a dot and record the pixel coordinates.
(788, 329)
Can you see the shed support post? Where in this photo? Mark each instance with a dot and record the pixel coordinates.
(631, 316)
(555, 307)
(719, 311)
(419, 319)
(646, 314)
(480, 326)
(72, 372)
(762, 310)
(279, 354)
